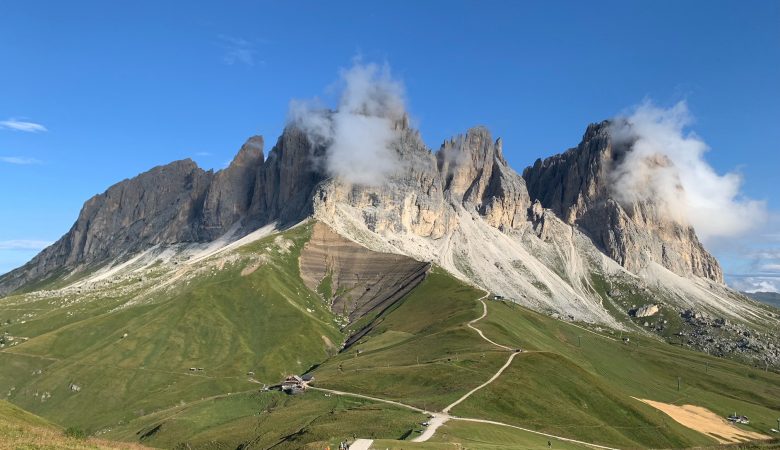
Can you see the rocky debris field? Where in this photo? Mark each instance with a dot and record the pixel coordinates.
(721, 337)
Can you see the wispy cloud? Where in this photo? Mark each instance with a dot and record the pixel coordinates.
(21, 125)
(24, 244)
(19, 160)
(666, 164)
(238, 51)
(203, 154)
(752, 262)
(750, 283)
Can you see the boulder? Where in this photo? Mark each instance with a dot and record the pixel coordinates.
(647, 311)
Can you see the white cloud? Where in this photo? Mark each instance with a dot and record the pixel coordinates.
(20, 160)
(752, 262)
(20, 125)
(766, 253)
(358, 135)
(24, 244)
(238, 51)
(665, 164)
(754, 283)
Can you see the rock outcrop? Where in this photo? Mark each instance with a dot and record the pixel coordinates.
(354, 280)
(468, 171)
(156, 207)
(230, 193)
(576, 186)
(285, 183)
(425, 198)
(646, 311)
(476, 174)
(182, 203)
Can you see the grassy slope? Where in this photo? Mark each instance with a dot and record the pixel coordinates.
(224, 322)
(579, 367)
(579, 392)
(478, 436)
(582, 392)
(263, 419)
(420, 353)
(574, 384)
(20, 429)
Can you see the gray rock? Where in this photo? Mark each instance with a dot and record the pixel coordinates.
(181, 203)
(576, 186)
(647, 311)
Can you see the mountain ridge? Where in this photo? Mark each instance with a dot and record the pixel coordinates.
(253, 191)
(461, 207)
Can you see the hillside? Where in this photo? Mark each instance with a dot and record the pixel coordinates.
(22, 430)
(113, 356)
(454, 302)
(551, 239)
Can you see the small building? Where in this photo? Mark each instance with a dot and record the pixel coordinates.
(293, 384)
(308, 378)
(734, 418)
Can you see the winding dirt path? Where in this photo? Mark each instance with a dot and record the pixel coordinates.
(484, 314)
(444, 416)
(552, 436)
(492, 379)
(367, 397)
(440, 418)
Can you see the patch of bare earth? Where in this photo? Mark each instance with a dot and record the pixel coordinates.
(705, 421)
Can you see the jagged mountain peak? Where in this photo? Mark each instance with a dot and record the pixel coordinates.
(250, 152)
(181, 203)
(578, 187)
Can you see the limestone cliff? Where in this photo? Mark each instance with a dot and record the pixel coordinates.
(468, 171)
(576, 186)
(181, 203)
(426, 197)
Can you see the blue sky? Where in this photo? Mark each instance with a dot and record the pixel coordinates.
(122, 86)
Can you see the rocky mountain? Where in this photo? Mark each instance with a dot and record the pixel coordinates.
(576, 186)
(181, 203)
(554, 239)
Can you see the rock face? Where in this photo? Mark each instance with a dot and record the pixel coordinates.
(284, 184)
(576, 186)
(476, 173)
(156, 207)
(181, 203)
(429, 196)
(646, 311)
(355, 280)
(230, 194)
(469, 171)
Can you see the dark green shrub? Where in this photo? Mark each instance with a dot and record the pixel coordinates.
(75, 432)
